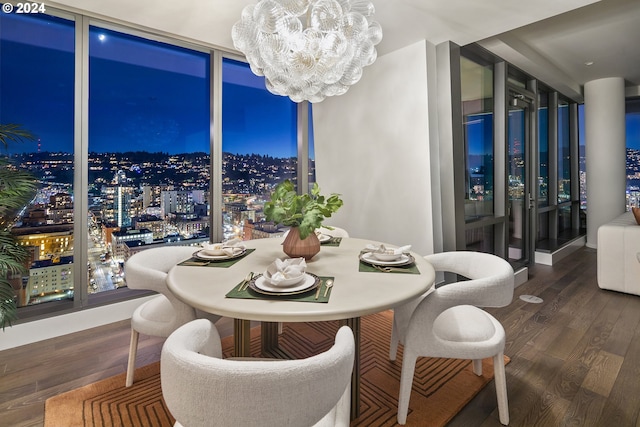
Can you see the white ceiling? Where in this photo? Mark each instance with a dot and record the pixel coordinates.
(557, 50)
(551, 39)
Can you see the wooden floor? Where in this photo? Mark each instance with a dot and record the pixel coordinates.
(575, 357)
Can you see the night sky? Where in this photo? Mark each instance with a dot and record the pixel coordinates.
(143, 95)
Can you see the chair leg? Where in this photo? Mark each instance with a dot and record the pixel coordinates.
(406, 381)
(395, 340)
(133, 351)
(501, 388)
(477, 367)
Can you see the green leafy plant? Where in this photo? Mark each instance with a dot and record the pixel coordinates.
(305, 211)
(16, 189)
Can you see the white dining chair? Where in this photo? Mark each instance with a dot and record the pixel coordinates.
(334, 231)
(201, 389)
(446, 321)
(164, 313)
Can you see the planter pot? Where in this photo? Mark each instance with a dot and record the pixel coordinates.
(295, 247)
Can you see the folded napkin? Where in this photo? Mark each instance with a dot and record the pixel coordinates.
(280, 271)
(229, 247)
(381, 249)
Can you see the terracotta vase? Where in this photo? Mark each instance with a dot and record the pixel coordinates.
(295, 247)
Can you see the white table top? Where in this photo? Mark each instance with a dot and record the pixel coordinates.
(354, 293)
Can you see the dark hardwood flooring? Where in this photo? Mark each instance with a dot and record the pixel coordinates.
(575, 357)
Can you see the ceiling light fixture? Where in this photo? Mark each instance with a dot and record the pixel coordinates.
(308, 49)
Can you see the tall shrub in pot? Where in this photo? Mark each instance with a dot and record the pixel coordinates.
(16, 189)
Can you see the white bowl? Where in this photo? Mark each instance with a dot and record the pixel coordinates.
(386, 256)
(212, 249)
(284, 283)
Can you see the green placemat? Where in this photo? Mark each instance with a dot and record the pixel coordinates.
(409, 269)
(310, 296)
(197, 262)
(334, 241)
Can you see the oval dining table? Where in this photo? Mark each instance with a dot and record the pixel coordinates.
(358, 290)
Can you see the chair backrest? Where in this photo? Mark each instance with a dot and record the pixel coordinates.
(199, 387)
(491, 278)
(490, 284)
(148, 270)
(334, 231)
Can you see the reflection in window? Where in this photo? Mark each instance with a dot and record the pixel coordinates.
(564, 153)
(477, 111)
(582, 161)
(40, 99)
(543, 149)
(632, 131)
(148, 150)
(259, 149)
(480, 239)
(312, 154)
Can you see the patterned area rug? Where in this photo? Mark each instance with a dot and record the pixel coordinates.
(441, 387)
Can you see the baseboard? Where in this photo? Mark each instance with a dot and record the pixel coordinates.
(549, 258)
(520, 277)
(55, 326)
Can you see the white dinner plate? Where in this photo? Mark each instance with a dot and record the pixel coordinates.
(200, 255)
(263, 286)
(403, 260)
(324, 238)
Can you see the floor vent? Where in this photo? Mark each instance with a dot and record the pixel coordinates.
(531, 299)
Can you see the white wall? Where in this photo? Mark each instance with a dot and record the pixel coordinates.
(372, 146)
(39, 330)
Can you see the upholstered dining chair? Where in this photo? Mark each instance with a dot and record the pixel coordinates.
(202, 389)
(334, 231)
(164, 313)
(446, 321)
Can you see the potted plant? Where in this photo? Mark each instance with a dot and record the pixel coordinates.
(304, 213)
(16, 189)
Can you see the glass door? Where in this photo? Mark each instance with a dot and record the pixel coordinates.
(520, 201)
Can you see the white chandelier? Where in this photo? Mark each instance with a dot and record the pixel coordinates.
(308, 49)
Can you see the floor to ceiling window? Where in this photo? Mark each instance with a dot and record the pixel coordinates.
(131, 118)
(259, 149)
(544, 159)
(539, 163)
(518, 141)
(148, 149)
(37, 93)
(632, 130)
(582, 166)
(564, 169)
(477, 116)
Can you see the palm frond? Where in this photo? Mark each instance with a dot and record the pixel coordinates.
(8, 308)
(16, 189)
(11, 255)
(12, 132)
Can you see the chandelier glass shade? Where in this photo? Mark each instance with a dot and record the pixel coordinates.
(308, 49)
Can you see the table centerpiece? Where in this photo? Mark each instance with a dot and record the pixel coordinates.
(304, 213)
